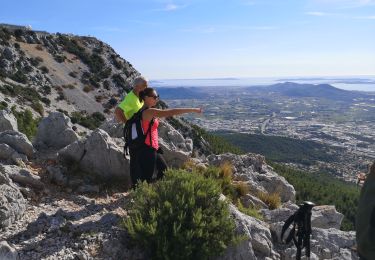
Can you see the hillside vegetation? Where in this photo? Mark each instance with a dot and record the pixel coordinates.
(281, 149)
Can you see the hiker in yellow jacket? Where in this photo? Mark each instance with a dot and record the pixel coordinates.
(125, 110)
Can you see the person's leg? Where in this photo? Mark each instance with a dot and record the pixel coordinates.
(161, 166)
(134, 173)
(147, 160)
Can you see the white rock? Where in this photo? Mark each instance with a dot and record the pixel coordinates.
(12, 203)
(22, 176)
(10, 155)
(113, 128)
(98, 154)
(55, 131)
(259, 242)
(7, 252)
(18, 141)
(7, 121)
(326, 216)
(253, 169)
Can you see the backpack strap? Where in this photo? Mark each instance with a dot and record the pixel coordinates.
(150, 129)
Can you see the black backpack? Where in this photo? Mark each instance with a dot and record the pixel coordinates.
(133, 132)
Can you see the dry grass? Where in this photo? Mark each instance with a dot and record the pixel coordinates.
(272, 200)
(241, 188)
(226, 169)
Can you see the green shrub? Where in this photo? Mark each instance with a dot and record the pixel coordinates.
(45, 101)
(18, 33)
(87, 88)
(46, 90)
(44, 69)
(26, 123)
(59, 58)
(36, 61)
(253, 212)
(4, 36)
(119, 81)
(73, 74)
(19, 76)
(38, 107)
(181, 217)
(3, 105)
(90, 121)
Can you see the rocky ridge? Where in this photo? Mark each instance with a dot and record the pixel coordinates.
(56, 210)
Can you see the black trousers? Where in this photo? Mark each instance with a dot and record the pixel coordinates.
(133, 166)
(143, 164)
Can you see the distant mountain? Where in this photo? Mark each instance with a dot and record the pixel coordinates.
(181, 93)
(292, 89)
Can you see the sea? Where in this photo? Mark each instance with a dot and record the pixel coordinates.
(357, 83)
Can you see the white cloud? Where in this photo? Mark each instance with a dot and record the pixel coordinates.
(109, 29)
(170, 7)
(227, 28)
(318, 13)
(344, 3)
(371, 17)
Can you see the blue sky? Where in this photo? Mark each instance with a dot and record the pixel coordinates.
(202, 39)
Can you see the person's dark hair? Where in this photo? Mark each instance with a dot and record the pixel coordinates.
(147, 92)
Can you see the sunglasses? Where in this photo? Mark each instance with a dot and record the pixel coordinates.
(155, 97)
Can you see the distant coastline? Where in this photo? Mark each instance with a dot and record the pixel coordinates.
(359, 83)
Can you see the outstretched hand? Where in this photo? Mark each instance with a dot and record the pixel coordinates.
(199, 110)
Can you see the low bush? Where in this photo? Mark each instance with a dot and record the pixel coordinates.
(26, 123)
(181, 217)
(3, 105)
(90, 121)
(38, 107)
(20, 77)
(39, 47)
(46, 101)
(87, 88)
(253, 212)
(36, 61)
(44, 69)
(69, 86)
(59, 58)
(73, 74)
(46, 90)
(119, 81)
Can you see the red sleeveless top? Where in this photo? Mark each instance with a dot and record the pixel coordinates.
(153, 132)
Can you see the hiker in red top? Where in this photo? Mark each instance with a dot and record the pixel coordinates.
(149, 156)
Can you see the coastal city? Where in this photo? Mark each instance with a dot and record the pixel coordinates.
(346, 127)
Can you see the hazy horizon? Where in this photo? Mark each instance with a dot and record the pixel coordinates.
(364, 83)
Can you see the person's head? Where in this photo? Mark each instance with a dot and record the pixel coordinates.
(149, 96)
(139, 84)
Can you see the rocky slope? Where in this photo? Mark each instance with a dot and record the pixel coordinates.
(54, 207)
(57, 71)
(63, 193)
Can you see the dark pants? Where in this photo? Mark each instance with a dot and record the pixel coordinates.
(133, 166)
(143, 164)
